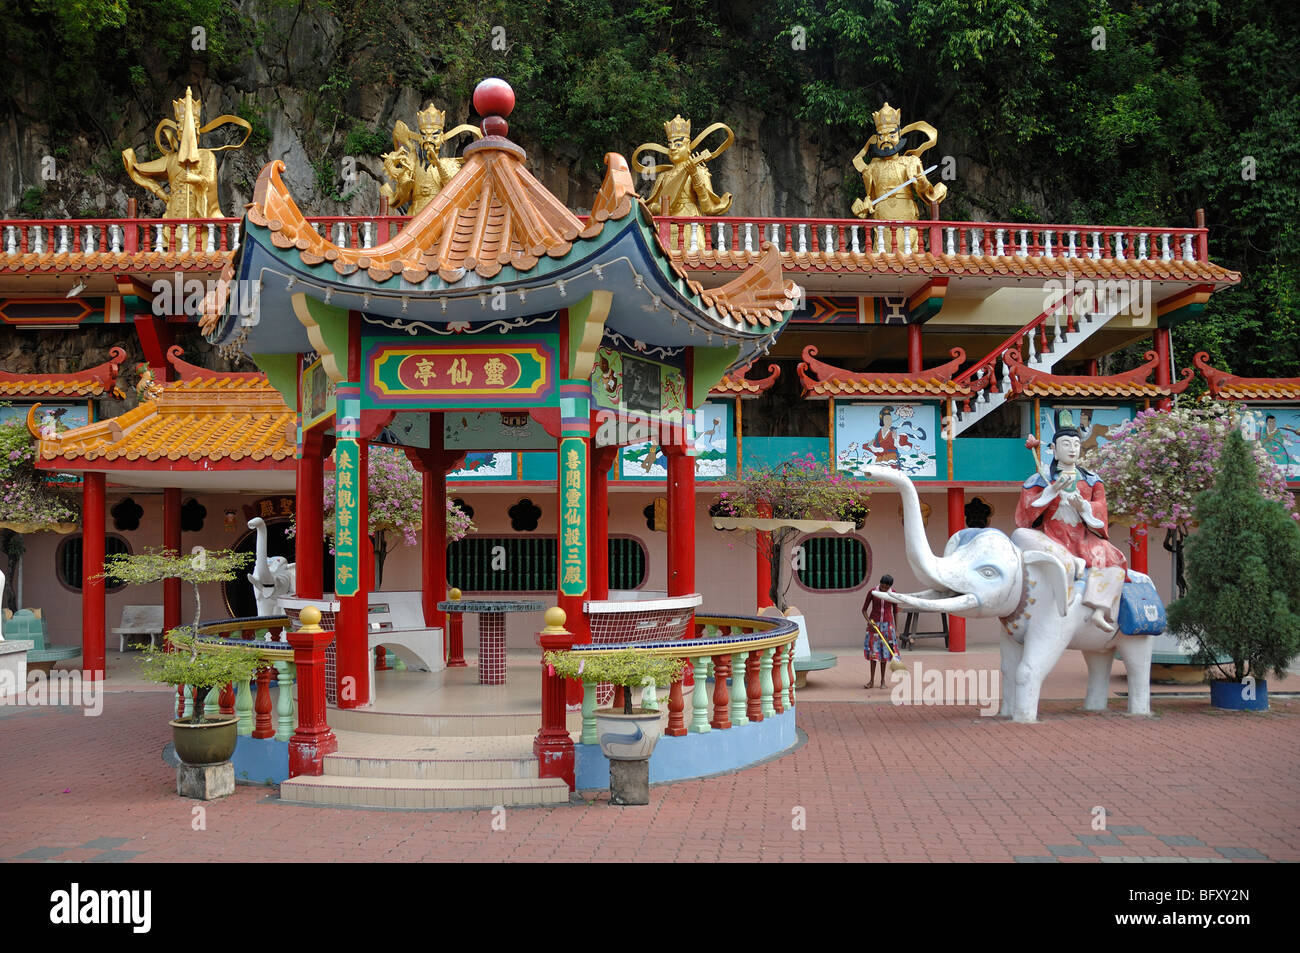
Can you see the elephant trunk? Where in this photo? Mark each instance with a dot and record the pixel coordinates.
(261, 574)
(919, 556)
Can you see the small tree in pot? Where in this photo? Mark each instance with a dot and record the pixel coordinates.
(1243, 575)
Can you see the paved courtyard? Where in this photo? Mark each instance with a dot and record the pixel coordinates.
(872, 781)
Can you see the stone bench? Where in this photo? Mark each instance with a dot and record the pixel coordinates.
(139, 620)
(397, 623)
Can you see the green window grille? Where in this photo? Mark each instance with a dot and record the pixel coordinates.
(68, 561)
(529, 563)
(833, 563)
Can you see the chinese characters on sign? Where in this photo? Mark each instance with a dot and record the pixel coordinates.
(347, 554)
(573, 517)
(517, 373)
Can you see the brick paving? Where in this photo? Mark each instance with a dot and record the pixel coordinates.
(871, 782)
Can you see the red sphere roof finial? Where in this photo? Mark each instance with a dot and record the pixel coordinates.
(494, 100)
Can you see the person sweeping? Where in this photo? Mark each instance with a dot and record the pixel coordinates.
(881, 642)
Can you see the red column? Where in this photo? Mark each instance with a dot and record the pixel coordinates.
(598, 520)
(171, 522)
(956, 522)
(92, 588)
(313, 739)
(309, 543)
(1138, 548)
(353, 625)
(763, 565)
(1164, 374)
(433, 544)
(553, 747)
(914, 349)
(681, 521)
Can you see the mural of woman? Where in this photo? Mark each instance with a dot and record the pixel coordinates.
(886, 442)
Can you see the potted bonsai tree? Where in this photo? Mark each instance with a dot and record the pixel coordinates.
(1243, 583)
(200, 742)
(627, 737)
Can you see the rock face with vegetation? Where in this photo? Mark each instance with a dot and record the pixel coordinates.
(1049, 110)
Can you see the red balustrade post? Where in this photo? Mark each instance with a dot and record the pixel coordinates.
(956, 523)
(226, 699)
(676, 706)
(778, 685)
(553, 747)
(262, 727)
(381, 659)
(313, 739)
(455, 634)
(721, 697)
(753, 693)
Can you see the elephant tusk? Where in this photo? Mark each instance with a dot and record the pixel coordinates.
(952, 604)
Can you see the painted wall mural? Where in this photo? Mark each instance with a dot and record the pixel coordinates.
(898, 435)
(1278, 429)
(486, 465)
(1095, 424)
(712, 440)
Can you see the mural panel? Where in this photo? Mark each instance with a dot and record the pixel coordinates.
(894, 434)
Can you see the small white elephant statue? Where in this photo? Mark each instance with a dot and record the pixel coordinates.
(271, 578)
(1028, 581)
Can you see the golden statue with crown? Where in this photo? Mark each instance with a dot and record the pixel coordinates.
(896, 180)
(416, 168)
(683, 185)
(190, 172)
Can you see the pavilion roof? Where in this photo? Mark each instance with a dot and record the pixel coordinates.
(1230, 387)
(205, 420)
(91, 382)
(1027, 382)
(831, 381)
(738, 385)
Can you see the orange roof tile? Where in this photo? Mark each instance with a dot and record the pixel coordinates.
(148, 262)
(1230, 387)
(738, 385)
(1027, 382)
(834, 381)
(203, 418)
(924, 263)
(91, 382)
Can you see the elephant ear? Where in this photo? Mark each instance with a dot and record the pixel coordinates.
(1054, 574)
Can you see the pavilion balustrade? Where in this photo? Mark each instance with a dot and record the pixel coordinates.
(263, 712)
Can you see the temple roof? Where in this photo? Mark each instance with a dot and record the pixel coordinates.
(738, 385)
(91, 382)
(493, 234)
(1027, 382)
(831, 381)
(205, 420)
(1230, 387)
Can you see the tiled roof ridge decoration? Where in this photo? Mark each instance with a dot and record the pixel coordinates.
(1229, 386)
(832, 381)
(91, 382)
(927, 264)
(186, 371)
(100, 262)
(1028, 382)
(738, 385)
(203, 417)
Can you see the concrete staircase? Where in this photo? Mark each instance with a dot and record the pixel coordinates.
(390, 760)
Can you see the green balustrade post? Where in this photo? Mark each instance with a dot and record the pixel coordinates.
(700, 697)
(285, 717)
(243, 709)
(188, 694)
(589, 735)
(739, 700)
(212, 703)
(765, 682)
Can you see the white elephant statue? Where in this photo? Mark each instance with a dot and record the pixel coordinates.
(1030, 583)
(271, 578)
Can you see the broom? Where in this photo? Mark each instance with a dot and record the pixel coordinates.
(896, 665)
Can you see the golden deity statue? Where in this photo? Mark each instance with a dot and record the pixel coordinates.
(416, 168)
(190, 172)
(895, 180)
(683, 185)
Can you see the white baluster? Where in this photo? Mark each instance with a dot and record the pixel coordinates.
(1096, 246)
(1056, 338)
(907, 241)
(1072, 253)
(212, 238)
(1047, 245)
(803, 238)
(234, 245)
(115, 236)
(749, 243)
(1024, 245)
(1187, 248)
(365, 234)
(342, 232)
(38, 245)
(1119, 246)
(721, 245)
(11, 243)
(975, 241)
(1000, 249)
(158, 239)
(62, 248)
(88, 245)
(776, 237)
(694, 246)
(880, 239)
(829, 244)
(1165, 253)
(952, 242)
(1005, 381)
(1142, 246)
(853, 237)
(1033, 349)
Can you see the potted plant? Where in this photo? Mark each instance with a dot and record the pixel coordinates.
(1243, 583)
(200, 742)
(627, 737)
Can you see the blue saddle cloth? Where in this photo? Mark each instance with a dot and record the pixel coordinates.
(1140, 610)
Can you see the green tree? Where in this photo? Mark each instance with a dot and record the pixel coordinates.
(1243, 569)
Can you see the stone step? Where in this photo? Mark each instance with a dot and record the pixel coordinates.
(475, 725)
(411, 793)
(374, 755)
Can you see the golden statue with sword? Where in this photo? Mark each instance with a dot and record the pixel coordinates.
(190, 171)
(894, 179)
